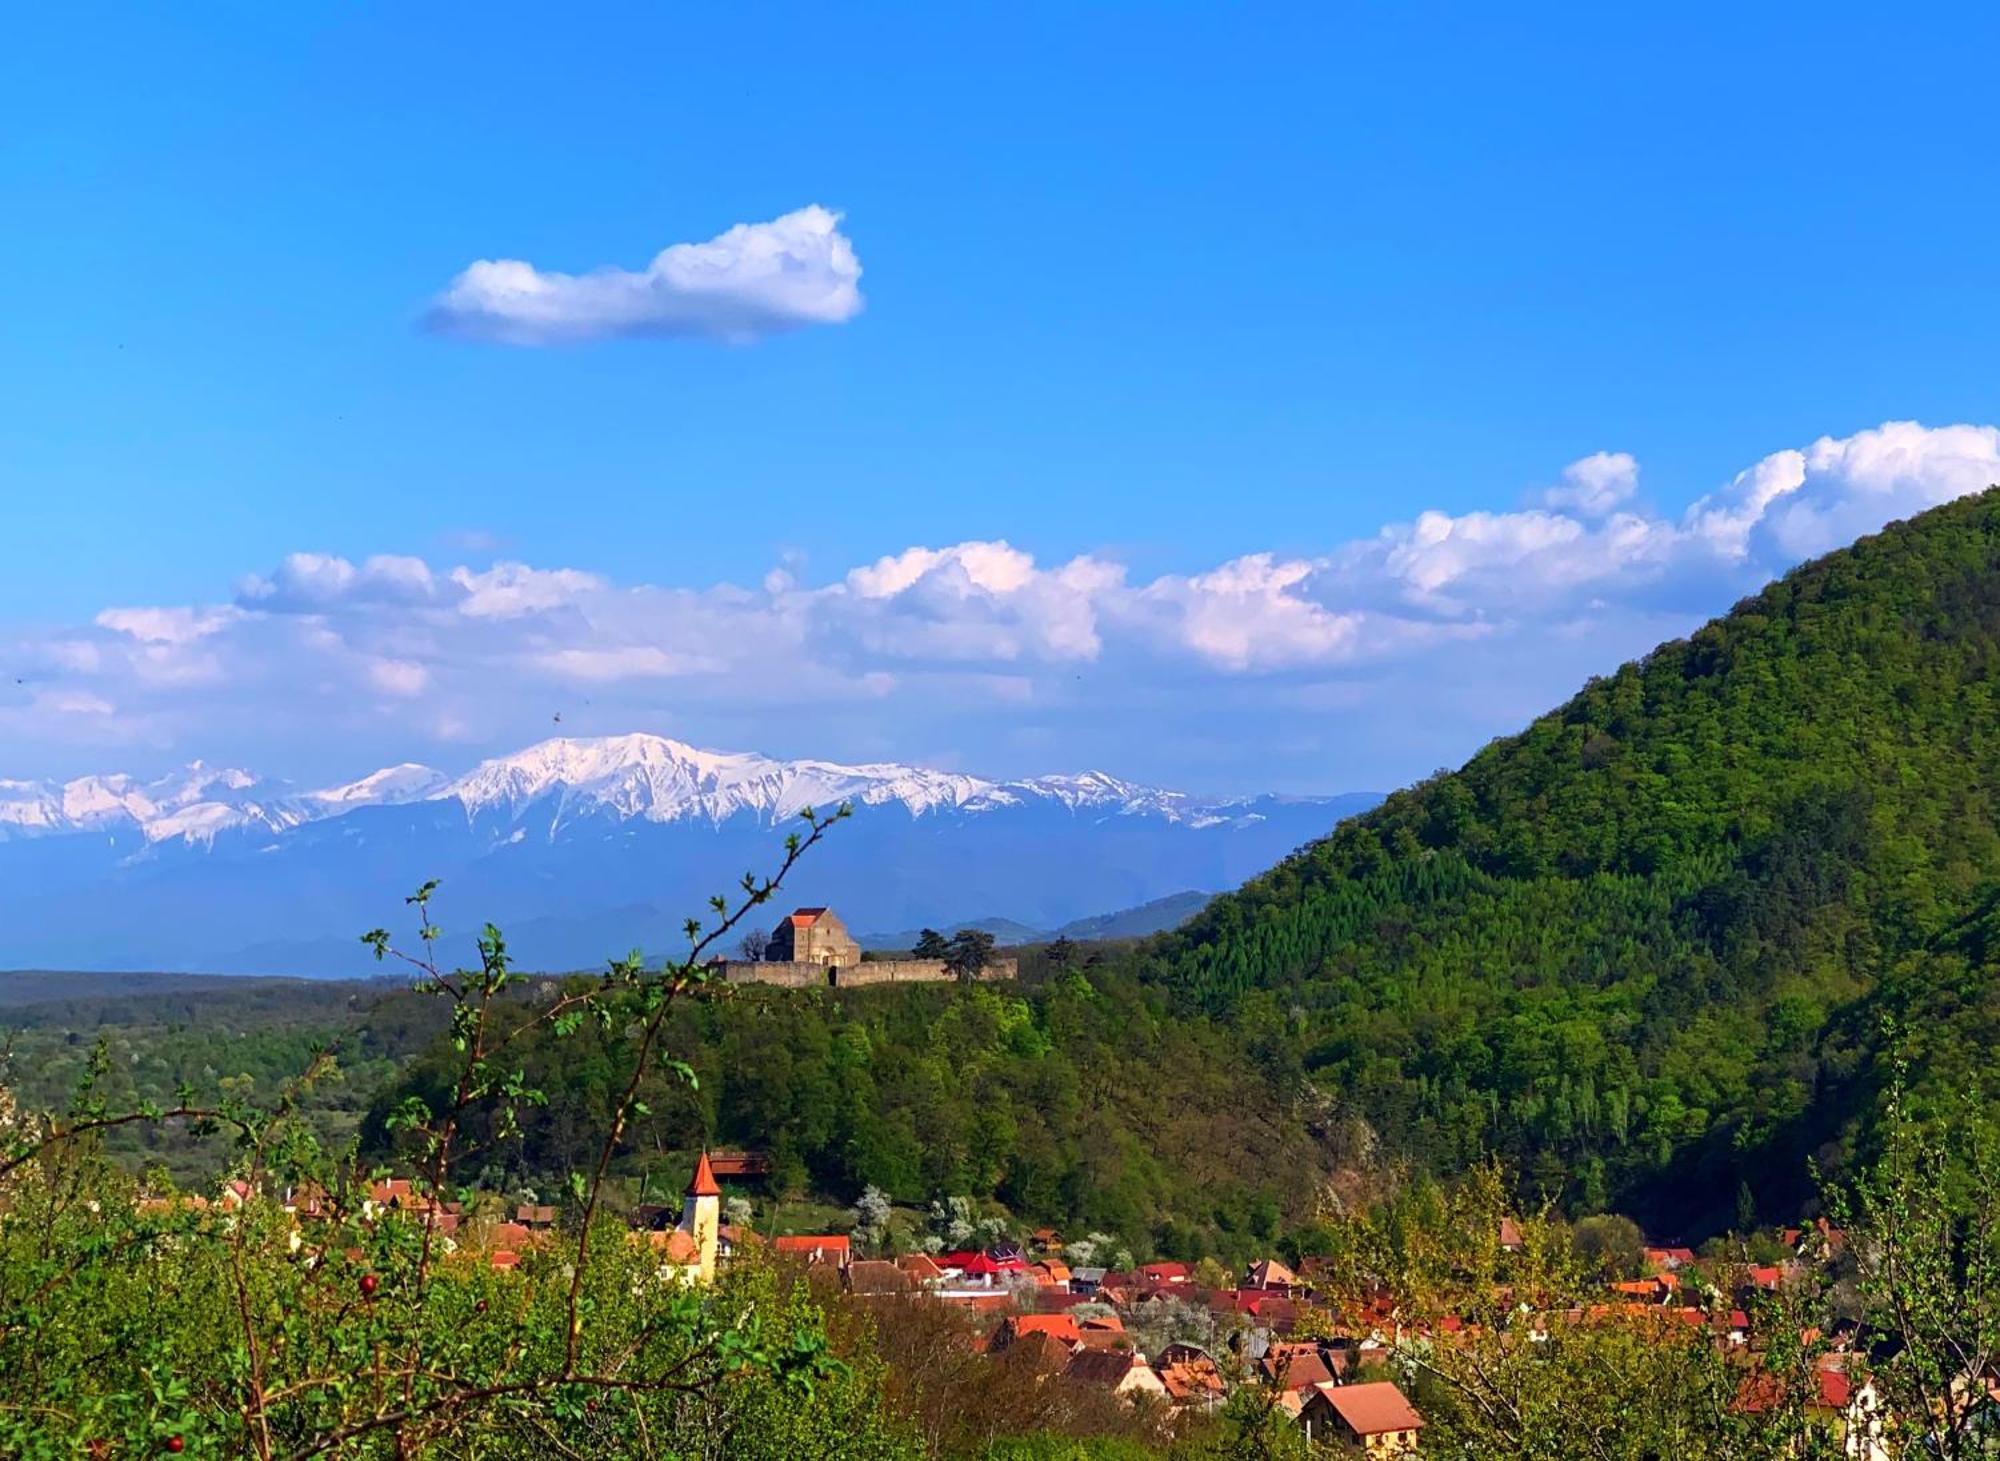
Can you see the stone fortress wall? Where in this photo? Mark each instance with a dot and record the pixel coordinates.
(850, 976)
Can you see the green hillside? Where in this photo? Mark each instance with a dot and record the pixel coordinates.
(1642, 948)
(1645, 951)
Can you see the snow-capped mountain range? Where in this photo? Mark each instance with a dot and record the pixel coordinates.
(589, 846)
(645, 776)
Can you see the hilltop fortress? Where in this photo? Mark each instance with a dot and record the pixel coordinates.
(813, 949)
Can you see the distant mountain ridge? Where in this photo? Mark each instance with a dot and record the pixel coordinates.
(1157, 916)
(584, 847)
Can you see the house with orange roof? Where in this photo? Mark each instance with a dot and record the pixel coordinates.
(1269, 1273)
(511, 1235)
(1294, 1367)
(1376, 1417)
(1052, 1273)
(1191, 1376)
(812, 1248)
(1059, 1327)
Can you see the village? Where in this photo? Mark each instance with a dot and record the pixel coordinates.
(1171, 1336)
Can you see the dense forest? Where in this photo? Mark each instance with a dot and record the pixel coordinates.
(1080, 1097)
(1651, 948)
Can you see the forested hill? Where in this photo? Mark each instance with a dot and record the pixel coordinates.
(1644, 946)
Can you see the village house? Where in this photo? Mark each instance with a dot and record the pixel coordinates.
(1373, 1416)
(1015, 1327)
(1191, 1376)
(1123, 1372)
(1269, 1273)
(1296, 1368)
(876, 1278)
(833, 1249)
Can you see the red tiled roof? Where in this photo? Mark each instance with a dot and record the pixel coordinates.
(1373, 1408)
(1056, 1326)
(877, 1276)
(1298, 1371)
(815, 1248)
(703, 1183)
(677, 1245)
(806, 917)
(1190, 1378)
(1269, 1273)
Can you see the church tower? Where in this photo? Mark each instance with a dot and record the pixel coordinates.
(701, 1216)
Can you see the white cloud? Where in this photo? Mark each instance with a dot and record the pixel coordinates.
(399, 677)
(306, 583)
(1595, 484)
(509, 590)
(625, 662)
(73, 702)
(1444, 621)
(755, 279)
(159, 626)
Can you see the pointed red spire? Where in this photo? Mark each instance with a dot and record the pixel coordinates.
(703, 1183)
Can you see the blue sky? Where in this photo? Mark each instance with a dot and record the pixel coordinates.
(1157, 287)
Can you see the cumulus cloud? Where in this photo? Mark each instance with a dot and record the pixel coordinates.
(753, 280)
(1596, 484)
(1452, 626)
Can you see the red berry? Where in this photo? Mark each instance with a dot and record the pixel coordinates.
(368, 1284)
(176, 1444)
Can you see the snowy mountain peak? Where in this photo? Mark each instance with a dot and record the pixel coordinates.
(407, 782)
(642, 777)
(663, 780)
(192, 804)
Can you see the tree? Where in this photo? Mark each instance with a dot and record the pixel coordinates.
(931, 945)
(1061, 954)
(1539, 1366)
(347, 1326)
(1612, 1243)
(1923, 1226)
(870, 1217)
(970, 952)
(756, 943)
